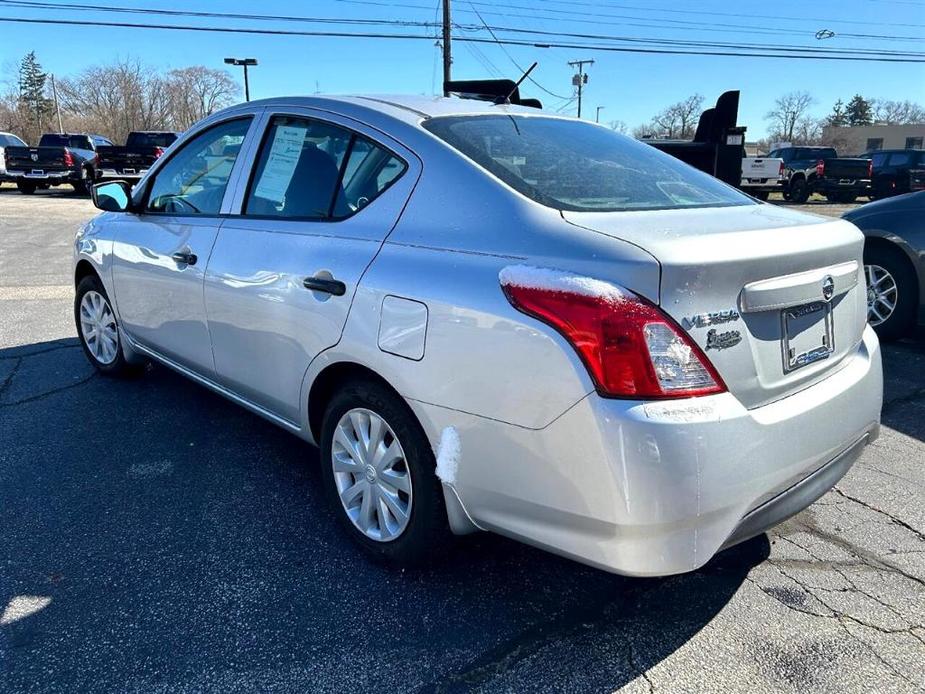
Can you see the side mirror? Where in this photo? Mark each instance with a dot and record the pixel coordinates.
(114, 196)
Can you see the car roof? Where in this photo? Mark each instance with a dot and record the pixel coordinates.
(409, 108)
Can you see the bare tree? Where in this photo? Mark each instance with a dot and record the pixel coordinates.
(196, 92)
(619, 126)
(790, 110)
(677, 121)
(116, 99)
(898, 112)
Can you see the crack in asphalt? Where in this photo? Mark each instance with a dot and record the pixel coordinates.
(8, 381)
(893, 518)
(53, 391)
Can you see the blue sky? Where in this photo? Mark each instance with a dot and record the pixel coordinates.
(630, 87)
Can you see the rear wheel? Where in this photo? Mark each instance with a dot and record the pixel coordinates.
(891, 291)
(82, 187)
(98, 329)
(761, 195)
(25, 187)
(379, 475)
(799, 191)
(884, 188)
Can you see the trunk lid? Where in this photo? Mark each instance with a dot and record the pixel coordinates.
(761, 168)
(775, 298)
(847, 169)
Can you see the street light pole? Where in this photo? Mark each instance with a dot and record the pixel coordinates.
(245, 63)
(597, 115)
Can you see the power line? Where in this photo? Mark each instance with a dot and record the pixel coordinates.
(508, 42)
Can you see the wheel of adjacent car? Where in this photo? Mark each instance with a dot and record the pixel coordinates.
(82, 187)
(799, 190)
(98, 329)
(26, 188)
(380, 474)
(761, 195)
(884, 187)
(891, 291)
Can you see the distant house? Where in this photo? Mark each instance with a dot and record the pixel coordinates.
(866, 138)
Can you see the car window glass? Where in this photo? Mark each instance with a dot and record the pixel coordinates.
(878, 159)
(899, 159)
(298, 170)
(568, 164)
(193, 181)
(370, 170)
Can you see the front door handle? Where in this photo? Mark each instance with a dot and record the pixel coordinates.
(328, 285)
(184, 258)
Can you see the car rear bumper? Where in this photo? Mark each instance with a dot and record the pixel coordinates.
(656, 488)
(45, 177)
(834, 185)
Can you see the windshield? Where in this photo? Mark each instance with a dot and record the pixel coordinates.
(572, 165)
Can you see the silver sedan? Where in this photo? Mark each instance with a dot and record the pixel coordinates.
(489, 318)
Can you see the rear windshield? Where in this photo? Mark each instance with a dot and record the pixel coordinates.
(572, 165)
(150, 139)
(74, 141)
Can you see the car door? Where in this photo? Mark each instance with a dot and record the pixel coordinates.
(323, 194)
(160, 253)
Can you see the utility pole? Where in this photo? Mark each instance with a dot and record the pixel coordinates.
(447, 39)
(245, 63)
(597, 115)
(54, 91)
(581, 79)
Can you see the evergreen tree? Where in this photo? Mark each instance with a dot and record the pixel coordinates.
(838, 117)
(859, 111)
(32, 81)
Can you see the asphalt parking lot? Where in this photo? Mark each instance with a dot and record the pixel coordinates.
(156, 538)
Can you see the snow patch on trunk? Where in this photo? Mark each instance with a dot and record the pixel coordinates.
(549, 279)
(448, 453)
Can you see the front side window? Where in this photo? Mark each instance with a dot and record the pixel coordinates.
(899, 158)
(313, 170)
(572, 165)
(193, 181)
(878, 159)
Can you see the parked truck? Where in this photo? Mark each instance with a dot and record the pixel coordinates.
(131, 161)
(60, 158)
(809, 170)
(762, 176)
(7, 140)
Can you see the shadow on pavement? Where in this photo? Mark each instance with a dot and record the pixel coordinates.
(158, 538)
(904, 386)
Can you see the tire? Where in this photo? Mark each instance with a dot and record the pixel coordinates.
(82, 187)
(426, 531)
(93, 309)
(799, 191)
(884, 188)
(26, 188)
(900, 320)
(842, 198)
(762, 195)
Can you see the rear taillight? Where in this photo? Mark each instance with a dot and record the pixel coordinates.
(68, 158)
(158, 152)
(870, 169)
(820, 168)
(780, 171)
(629, 346)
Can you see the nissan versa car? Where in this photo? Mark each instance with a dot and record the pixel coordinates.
(493, 319)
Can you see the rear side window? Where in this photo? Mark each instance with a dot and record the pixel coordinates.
(900, 158)
(878, 159)
(573, 165)
(11, 141)
(308, 169)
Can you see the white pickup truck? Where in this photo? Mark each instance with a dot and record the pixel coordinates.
(762, 176)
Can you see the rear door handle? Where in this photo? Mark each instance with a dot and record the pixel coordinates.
(184, 258)
(326, 285)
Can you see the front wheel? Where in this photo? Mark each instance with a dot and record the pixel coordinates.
(98, 329)
(891, 292)
(379, 475)
(82, 187)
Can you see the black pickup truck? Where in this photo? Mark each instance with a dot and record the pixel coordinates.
(809, 170)
(897, 171)
(132, 161)
(59, 158)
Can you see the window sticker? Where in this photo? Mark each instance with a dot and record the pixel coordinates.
(281, 162)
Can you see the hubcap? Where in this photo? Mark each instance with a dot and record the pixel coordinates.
(98, 327)
(881, 294)
(371, 475)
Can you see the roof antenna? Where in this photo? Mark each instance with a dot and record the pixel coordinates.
(507, 99)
